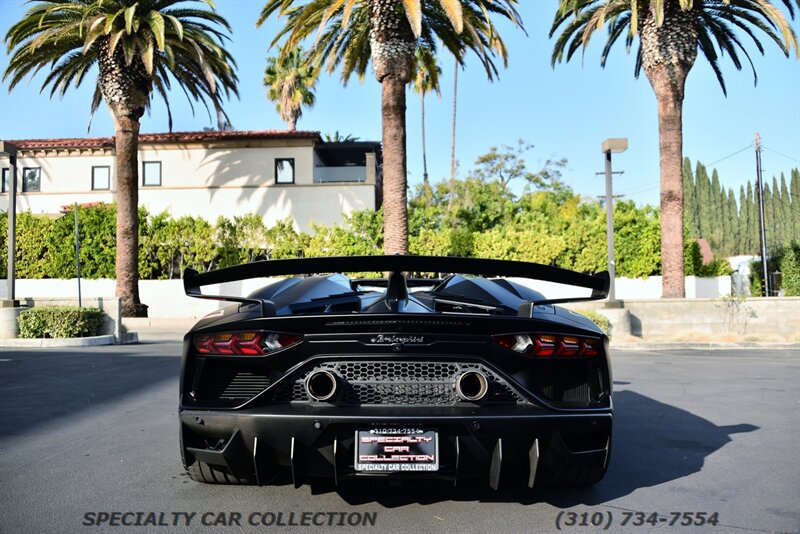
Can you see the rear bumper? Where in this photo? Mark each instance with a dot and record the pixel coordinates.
(316, 441)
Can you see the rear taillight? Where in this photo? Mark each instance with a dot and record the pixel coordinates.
(545, 345)
(243, 343)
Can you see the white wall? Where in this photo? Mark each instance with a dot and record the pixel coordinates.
(205, 181)
(167, 299)
(637, 288)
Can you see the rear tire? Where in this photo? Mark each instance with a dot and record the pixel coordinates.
(213, 474)
(584, 475)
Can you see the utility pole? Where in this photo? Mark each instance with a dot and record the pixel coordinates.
(761, 222)
(617, 146)
(11, 151)
(77, 252)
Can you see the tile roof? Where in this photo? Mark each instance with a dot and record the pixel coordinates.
(173, 137)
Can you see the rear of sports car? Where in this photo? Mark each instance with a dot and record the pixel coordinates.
(383, 382)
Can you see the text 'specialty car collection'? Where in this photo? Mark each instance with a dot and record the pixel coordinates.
(409, 375)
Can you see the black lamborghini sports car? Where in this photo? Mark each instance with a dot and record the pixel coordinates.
(409, 375)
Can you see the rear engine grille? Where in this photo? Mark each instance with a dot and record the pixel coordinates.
(230, 382)
(570, 382)
(402, 383)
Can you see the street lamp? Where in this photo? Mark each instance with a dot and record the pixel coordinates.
(10, 150)
(613, 145)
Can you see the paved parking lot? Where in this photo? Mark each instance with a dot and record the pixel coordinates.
(92, 431)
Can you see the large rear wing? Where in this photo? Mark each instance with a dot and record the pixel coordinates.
(397, 264)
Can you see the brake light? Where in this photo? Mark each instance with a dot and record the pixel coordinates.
(243, 343)
(546, 345)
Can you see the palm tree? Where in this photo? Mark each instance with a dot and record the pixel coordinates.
(290, 81)
(426, 79)
(453, 128)
(670, 33)
(387, 32)
(138, 46)
(339, 138)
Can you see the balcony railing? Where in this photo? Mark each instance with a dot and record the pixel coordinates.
(326, 175)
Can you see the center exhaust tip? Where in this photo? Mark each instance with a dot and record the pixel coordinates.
(472, 385)
(321, 385)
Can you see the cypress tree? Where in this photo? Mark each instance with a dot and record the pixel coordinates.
(769, 218)
(731, 245)
(777, 211)
(703, 185)
(786, 213)
(717, 215)
(742, 241)
(794, 193)
(752, 220)
(690, 219)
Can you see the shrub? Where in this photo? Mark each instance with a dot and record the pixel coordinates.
(785, 260)
(790, 270)
(597, 318)
(60, 321)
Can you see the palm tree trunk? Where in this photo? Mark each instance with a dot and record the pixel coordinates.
(670, 132)
(127, 268)
(453, 134)
(392, 48)
(393, 113)
(668, 53)
(424, 155)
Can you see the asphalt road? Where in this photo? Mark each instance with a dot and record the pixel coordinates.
(94, 430)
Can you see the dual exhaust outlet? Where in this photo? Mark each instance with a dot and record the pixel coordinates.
(321, 385)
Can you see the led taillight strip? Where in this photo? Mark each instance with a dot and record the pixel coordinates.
(549, 345)
(243, 343)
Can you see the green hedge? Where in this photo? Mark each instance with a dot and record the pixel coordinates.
(550, 228)
(786, 260)
(790, 270)
(596, 317)
(60, 321)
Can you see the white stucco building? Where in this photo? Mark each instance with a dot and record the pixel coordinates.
(276, 174)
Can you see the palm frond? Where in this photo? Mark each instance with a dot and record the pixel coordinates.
(169, 39)
(718, 23)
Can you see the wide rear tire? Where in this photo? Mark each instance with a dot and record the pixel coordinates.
(213, 474)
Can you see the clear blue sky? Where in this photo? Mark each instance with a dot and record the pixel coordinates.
(565, 112)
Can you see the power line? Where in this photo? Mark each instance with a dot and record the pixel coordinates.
(729, 155)
(778, 153)
(639, 191)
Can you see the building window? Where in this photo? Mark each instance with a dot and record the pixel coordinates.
(31, 179)
(284, 171)
(151, 173)
(5, 182)
(101, 178)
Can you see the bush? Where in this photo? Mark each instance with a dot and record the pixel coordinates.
(785, 260)
(60, 321)
(597, 318)
(790, 269)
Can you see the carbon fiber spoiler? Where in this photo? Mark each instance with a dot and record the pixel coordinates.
(598, 283)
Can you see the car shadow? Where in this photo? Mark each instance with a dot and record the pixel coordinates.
(653, 443)
(43, 385)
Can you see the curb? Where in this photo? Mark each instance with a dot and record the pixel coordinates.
(91, 341)
(128, 338)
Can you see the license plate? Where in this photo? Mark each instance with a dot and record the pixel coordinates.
(387, 451)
